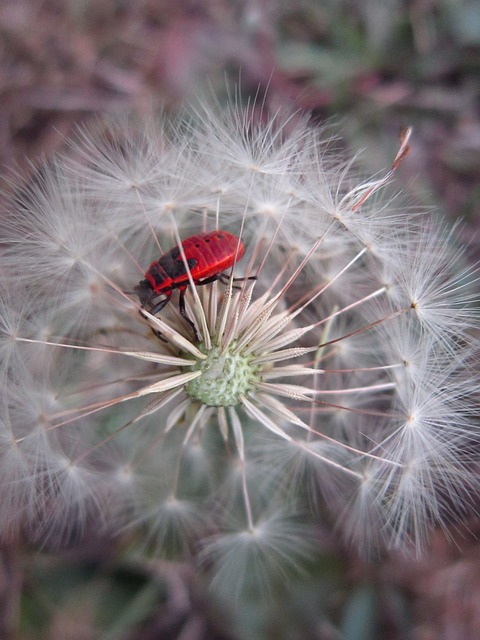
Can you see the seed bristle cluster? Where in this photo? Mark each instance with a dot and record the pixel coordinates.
(335, 365)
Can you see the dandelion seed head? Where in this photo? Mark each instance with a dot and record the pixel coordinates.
(332, 367)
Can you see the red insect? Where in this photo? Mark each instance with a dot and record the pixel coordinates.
(207, 256)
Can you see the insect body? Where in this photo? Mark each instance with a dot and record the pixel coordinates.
(207, 256)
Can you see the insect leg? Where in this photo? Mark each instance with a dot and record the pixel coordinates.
(183, 312)
(160, 305)
(155, 309)
(224, 279)
(207, 280)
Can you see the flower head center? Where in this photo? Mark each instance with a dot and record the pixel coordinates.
(226, 375)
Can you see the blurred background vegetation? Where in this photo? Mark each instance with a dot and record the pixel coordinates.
(366, 68)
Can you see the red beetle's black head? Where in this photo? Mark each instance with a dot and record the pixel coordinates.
(144, 291)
